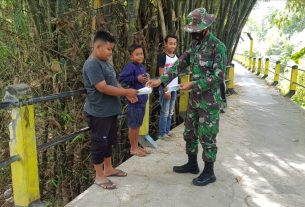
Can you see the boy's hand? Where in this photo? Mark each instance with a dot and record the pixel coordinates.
(142, 78)
(153, 83)
(131, 95)
(132, 100)
(186, 86)
(167, 95)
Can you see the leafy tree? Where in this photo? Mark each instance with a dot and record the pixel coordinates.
(298, 55)
(292, 19)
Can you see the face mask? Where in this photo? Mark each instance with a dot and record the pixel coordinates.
(197, 35)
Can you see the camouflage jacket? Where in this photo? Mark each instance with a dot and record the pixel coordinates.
(206, 61)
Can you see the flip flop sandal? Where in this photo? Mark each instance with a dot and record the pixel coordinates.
(145, 150)
(119, 173)
(109, 185)
(138, 153)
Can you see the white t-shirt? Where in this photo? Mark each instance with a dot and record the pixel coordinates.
(169, 62)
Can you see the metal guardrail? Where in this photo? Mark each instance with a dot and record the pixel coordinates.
(299, 85)
(283, 77)
(31, 101)
(279, 75)
(9, 161)
(288, 66)
(287, 79)
(62, 139)
(57, 141)
(301, 69)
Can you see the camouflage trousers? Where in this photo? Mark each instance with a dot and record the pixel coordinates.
(201, 126)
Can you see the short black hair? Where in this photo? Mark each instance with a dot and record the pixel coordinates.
(170, 36)
(103, 36)
(133, 47)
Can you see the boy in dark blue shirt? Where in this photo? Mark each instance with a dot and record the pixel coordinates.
(134, 76)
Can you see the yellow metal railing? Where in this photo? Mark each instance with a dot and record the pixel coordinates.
(259, 66)
(23, 148)
(266, 73)
(265, 70)
(231, 75)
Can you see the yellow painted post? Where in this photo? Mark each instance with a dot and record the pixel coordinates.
(144, 139)
(277, 72)
(144, 129)
(293, 80)
(249, 63)
(184, 97)
(245, 61)
(231, 78)
(251, 47)
(250, 51)
(23, 143)
(262, 67)
(259, 66)
(254, 65)
(266, 72)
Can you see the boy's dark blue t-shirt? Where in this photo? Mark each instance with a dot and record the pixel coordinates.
(129, 77)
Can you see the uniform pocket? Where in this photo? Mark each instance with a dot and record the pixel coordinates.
(210, 100)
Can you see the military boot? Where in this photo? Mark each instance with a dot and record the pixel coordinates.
(207, 176)
(190, 167)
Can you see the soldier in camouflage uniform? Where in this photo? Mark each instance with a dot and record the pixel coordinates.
(205, 60)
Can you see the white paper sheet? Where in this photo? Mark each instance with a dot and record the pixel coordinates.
(173, 85)
(145, 90)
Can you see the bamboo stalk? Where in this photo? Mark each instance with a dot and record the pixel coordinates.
(162, 21)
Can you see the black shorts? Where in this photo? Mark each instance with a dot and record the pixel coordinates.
(103, 136)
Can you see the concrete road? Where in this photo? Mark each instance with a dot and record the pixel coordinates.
(261, 159)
